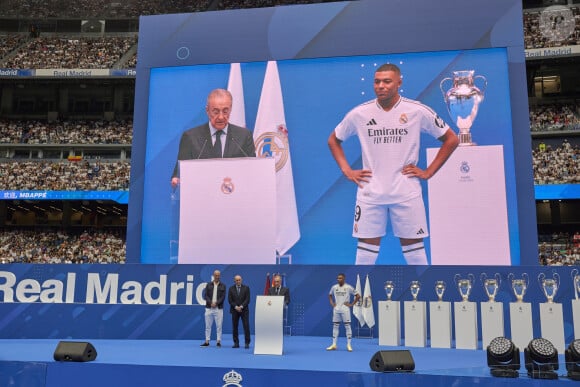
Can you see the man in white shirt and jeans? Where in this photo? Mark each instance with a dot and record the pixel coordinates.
(215, 294)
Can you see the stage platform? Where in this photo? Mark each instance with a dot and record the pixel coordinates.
(305, 362)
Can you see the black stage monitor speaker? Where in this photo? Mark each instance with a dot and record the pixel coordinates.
(75, 351)
(392, 361)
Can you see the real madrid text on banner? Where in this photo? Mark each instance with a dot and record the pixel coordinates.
(271, 140)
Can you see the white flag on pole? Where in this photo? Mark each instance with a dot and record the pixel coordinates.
(357, 307)
(368, 309)
(271, 139)
(236, 88)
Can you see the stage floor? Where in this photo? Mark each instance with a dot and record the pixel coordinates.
(302, 355)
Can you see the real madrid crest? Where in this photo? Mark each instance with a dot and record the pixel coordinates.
(403, 119)
(227, 186)
(464, 167)
(274, 144)
(232, 378)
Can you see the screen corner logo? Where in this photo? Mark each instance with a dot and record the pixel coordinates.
(232, 378)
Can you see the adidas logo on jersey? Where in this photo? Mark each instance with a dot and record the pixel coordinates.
(372, 122)
(420, 232)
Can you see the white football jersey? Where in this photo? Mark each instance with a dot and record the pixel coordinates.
(342, 293)
(389, 141)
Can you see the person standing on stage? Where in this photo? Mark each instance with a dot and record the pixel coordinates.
(215, 295)
(389, 129)
(206, 142)
(339, 297)
(239, 299)
(278, 290)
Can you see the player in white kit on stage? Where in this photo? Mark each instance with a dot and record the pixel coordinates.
(339, 297)
(389, 129)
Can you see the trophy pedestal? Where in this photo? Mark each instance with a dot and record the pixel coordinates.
(440, 321)
(390, 323)
(491, 322)
(466, 184)
(576, 317)
(522, 331)
(465, 325)
(415, 324)
(552, 324)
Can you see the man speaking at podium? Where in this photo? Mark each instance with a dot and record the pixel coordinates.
(216, 138)
(278, 290)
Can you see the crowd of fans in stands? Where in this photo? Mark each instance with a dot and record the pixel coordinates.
(128, 8)
(64, 175)
(554, 117)
(49, 246)
(559, 249)
(58, 52)
(8, 43)
(556, 166)
(66, 132)
(98, 8)
(534, 38)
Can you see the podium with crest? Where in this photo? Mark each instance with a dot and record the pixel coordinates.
(228, 200)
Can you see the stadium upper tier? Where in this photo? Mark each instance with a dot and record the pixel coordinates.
(98, 8)
(82, 175)
(65, 132)
(67, 52)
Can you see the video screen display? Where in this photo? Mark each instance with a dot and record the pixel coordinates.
(317, 94)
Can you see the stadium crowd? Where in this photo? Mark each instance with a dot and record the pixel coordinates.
(66, 132)
(535, 38)
(98, 8)
(49, 52)
(556, 166)
(8, 43)
(559, 249)
(554, 117)
(49, 246)
(65, 175)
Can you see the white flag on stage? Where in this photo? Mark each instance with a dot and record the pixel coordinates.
(357, 307)
(271, 139)
(236, 87)
(368, 309)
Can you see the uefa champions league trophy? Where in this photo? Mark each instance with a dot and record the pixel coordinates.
(551, 314)
(492, 324)
(549, 285)
(519, 286)
(491, 285)
(576, 282)
(464, 285)
(576, 301)
(463, 101)
(520, 312)
(440, 318)
(389, 318)
(389, 288)
(466, 333)
(415, 287)
(415, 318)
(440, 289)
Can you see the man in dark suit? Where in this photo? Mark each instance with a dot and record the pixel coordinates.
(278, 290)
(239, 299)
(215, 295)
(216, 138)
